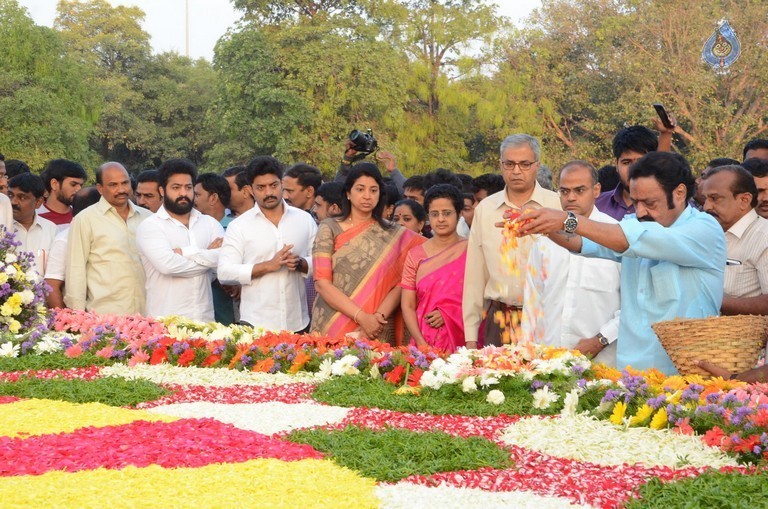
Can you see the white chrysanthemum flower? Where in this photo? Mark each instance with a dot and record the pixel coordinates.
(487, 379)
(11, 258)
(326, 369)
(9, 350)
(48, 344)
(495, 397)
(428, 379)
(10, 270)
(542, 398)
(571, 403)
(345, 366)
(469, 385)
(27, 296)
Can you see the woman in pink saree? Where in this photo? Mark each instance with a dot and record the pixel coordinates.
(433, 275)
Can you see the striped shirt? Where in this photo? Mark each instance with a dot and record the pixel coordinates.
(746, 272)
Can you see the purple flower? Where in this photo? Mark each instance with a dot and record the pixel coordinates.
(610, 395)
(577, 369)
(245, 360)
(581, 383)
(656, 402)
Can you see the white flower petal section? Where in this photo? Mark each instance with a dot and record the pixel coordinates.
(218, 377)
(267, 418)
(585, 438)
(406, 496)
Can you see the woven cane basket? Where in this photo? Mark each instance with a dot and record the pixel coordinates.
(733, 342)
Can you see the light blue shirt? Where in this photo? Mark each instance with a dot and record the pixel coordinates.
(667, 273)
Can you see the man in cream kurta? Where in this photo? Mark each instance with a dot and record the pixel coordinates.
(104, 272)
(489, 284)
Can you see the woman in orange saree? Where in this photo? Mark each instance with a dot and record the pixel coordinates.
(433, 276)
(358, 261)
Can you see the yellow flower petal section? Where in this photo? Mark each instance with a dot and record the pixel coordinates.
(263, 483)
(43, 416)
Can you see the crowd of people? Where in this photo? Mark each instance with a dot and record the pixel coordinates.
(594, 261)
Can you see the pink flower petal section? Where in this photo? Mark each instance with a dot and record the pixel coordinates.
(183, 443)
(458, 425)
(606, 487)
(89, 373)
(293, 393)
(8, 399)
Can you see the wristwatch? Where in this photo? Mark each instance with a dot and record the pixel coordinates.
(571, 223)
(602, 339)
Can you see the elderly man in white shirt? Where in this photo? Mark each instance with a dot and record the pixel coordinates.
(571, 301)
(267, 250)
(730, 196)
(35, 233)
(179, 248)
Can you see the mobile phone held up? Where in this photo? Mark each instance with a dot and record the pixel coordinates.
(661, 111)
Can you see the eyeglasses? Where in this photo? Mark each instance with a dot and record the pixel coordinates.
(577, 191)
(435, 214)
(524, 165)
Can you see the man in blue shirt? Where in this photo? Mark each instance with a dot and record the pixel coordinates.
(672, 256)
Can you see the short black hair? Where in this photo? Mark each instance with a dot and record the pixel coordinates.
(416, 209)
(669, 169)
(84, 198)
(232, 170)
(306, 175)
(415, 182)
(491, 183)
(743, 183)
(175, 167)
(756, 166)
(636, 138)
(2, 157)
(441, 176)
(15, 167)
(466, 183)
(60, 169)
(445, 191)
(150, 175)
(28, 183)
(216, 184)
(754, 144)
(721, 161)
(330, 192)
(391, 194)
(608, 177)
(263, 165)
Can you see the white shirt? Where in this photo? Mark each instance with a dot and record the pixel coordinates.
(179, 284)
(277, 300)
(746, 274)
(6, 212)
(462, 228)
(57, 262)
(37, 240)
(569, 297)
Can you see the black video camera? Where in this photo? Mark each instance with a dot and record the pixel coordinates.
(363, 142)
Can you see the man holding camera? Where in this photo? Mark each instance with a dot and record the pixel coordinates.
(359, 146)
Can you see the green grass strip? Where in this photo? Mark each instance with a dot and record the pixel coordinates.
(51, 361)
(394, 454)
(357, 391)
(710, 489)
(110, 391)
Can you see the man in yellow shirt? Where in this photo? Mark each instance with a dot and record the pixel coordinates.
(491, 287)
(104, 273)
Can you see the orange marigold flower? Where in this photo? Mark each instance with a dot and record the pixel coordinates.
(265, 365)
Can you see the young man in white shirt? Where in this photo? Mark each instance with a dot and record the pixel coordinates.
(179, 248)
(35, 233)
(571, 301)
(267, 250)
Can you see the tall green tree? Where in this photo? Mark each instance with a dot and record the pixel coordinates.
(46, 108)
(598, 64)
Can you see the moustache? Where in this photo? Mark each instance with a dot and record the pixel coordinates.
(16, 208)
(646, 219)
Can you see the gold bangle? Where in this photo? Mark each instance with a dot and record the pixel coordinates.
(354, 318)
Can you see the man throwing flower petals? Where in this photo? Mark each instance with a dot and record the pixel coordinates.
(672, 256)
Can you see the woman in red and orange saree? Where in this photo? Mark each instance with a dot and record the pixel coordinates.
(358, 261)
(433, 276)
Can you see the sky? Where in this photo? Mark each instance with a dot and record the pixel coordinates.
(208, 20)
